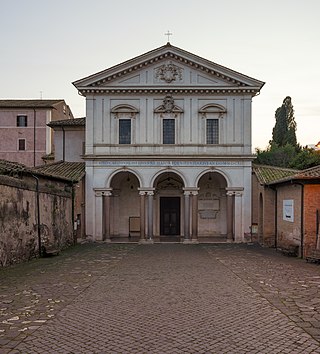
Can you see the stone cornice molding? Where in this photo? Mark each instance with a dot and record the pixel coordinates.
(251, 91)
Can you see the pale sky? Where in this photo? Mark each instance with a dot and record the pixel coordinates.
(48, 44)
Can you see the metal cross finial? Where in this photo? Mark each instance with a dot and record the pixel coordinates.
(168, 34)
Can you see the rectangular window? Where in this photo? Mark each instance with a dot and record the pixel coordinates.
(125, 131)
(212, 131)
(169, 131)
(22, 121)
(21, 144)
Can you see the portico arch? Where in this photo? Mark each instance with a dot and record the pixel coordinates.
(169, 204)
(212, 206)
(123, 203)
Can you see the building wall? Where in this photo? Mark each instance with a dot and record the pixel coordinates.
(18, 218)
(263, 213)
(72, 144)
(289, 232)
(38, 136)
(311, 205)
(34, 134)
(102, 129)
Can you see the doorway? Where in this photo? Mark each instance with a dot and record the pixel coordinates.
(170, 216)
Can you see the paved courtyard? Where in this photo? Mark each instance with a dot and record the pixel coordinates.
(161, 298)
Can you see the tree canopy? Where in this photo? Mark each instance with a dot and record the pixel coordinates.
(283, 149)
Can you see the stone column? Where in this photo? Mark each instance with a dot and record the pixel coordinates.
(194, 200)
(106, 212)
(98, 228)
(142, 215)
(230, 218)
(186, 216)
(238, 219)
(150, 215)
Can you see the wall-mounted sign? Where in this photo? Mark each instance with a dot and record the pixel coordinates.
(288, 210)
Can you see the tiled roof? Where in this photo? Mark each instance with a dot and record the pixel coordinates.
(73, 171)
(68, 122)
(12, 168)
(313, 172)
(275, 175)
(267, 174)
(28, 103)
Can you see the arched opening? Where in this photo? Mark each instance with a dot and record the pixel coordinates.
(212, 207)
(169, 205)
(124, 213)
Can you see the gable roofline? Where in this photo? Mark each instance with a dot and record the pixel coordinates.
(168, 52)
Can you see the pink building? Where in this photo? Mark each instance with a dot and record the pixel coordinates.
(24, 134)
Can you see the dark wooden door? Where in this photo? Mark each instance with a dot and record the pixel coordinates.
(170, 216)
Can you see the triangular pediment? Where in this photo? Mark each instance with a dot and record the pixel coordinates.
(168, 67)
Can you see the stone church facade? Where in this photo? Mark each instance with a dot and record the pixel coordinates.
(168, 149)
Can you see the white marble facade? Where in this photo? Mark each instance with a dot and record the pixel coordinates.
(168, 149)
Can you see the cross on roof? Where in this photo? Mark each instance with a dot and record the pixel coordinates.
(168, 34)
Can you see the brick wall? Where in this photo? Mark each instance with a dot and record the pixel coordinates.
(18, 218)
(311, 203)
(263, 213)
(289, 232)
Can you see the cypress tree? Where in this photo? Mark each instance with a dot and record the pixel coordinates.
(284, 131)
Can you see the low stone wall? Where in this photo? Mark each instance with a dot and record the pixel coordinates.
(19, 219)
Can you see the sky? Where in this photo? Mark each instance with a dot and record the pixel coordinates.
(48, 44)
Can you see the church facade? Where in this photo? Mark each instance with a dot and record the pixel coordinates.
(168, 149)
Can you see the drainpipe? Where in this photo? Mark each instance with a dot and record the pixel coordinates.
(72, 212)
(38, 213)
(34, 137)
(63, 144)
(276, 220)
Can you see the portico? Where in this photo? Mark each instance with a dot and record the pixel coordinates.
(191, 203)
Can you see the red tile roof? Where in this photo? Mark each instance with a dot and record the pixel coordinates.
(29, 103)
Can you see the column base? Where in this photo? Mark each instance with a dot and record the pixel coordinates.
(146, 241)
(190, 241)
(107, 240)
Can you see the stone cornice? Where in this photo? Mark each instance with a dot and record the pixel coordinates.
(150, 91)
(159, 157)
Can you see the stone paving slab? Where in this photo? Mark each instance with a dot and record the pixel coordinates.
(161, 298)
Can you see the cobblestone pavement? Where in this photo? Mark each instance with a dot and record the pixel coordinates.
(161, 298)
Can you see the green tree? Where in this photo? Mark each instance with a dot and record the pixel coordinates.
(275, 155)
(306, 158)
(284, 131)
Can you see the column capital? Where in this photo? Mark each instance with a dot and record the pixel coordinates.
(237, 191)
(99, 192)
(191, 190)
